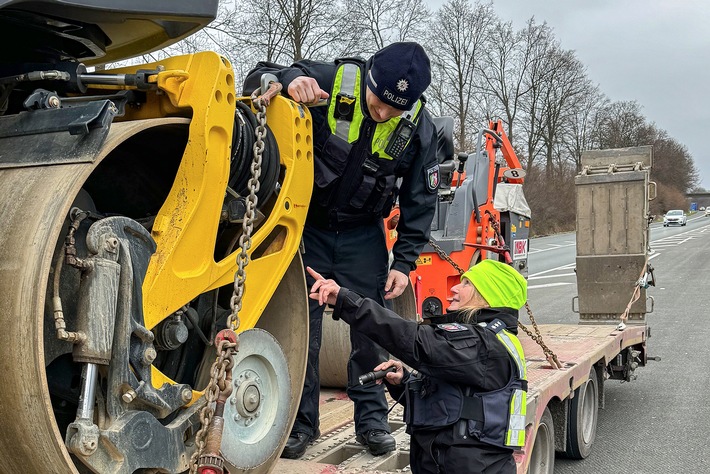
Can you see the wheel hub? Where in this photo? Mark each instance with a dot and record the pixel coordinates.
(258, 410)
(248, 398)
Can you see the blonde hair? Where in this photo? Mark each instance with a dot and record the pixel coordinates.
(469, 312)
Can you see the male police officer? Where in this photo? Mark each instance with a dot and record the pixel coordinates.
(374, 143)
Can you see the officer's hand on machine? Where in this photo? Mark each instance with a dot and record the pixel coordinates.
(306, 90)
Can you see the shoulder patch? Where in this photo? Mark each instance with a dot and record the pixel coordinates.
(452, 327)
(496, 325)
(432, 178)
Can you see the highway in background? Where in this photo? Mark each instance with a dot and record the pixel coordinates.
(659, 422)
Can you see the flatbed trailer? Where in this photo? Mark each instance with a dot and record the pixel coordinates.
(583, 350)
(613, 191)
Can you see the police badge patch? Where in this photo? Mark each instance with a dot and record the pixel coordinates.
(452, 327)
(432, 178)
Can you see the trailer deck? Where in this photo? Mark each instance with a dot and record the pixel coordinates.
(578, 347)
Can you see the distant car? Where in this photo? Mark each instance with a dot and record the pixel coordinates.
(675, 216)
(707, 211)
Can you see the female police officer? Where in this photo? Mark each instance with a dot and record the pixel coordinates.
(465, 405)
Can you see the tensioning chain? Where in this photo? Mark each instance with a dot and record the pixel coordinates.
(220, 385)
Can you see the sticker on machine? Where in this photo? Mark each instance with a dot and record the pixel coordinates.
(520, 249)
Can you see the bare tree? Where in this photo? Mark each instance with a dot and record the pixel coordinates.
(538, 42)
(457, 42)
(622, 124)
(561, 91)
(509, 59)
(672, 164)
(381, 22)
(583, 120)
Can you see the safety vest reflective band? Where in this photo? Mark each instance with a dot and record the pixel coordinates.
(346, 87)
(347, 82)
(515, 434)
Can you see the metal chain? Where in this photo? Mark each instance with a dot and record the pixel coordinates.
(218, 374)
(248, 223)
(499, 237)
(440, 252)
(537, 337)
(224, 363)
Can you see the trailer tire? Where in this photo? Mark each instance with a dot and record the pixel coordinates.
(582, 421)
(542, 458)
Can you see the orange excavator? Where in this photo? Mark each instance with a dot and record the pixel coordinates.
(481, 213)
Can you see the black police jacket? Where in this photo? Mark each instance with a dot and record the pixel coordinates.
(483, 364)
(416, 197)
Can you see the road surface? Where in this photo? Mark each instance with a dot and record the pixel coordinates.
(659, 422)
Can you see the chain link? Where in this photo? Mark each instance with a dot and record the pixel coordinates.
(440, 252)
(224, 363)
(240, 276)
(537, 337)
(218, 375)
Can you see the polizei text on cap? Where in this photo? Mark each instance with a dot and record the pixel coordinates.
(394, 98)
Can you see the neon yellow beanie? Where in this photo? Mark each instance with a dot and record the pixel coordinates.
(499, 284)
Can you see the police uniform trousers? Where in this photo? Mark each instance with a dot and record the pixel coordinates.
(357, 259)
(441, 452)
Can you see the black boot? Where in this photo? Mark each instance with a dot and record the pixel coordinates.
(378, 441)
(297, 444)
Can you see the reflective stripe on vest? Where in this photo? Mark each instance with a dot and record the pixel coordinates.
(348, 81)
(515, 434)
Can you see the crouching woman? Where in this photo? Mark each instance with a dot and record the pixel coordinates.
(466, 395)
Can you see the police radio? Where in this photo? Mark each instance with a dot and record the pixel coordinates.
(400, 138)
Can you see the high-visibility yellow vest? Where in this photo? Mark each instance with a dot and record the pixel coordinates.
(346, 94)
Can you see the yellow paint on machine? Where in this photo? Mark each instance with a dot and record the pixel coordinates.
(201, 86)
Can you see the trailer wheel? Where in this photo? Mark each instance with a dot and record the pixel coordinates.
(582, 421)
(542, 458)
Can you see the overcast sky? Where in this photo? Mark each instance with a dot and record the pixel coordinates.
(655, 52)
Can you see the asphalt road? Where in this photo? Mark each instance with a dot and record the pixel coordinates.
(660, 422)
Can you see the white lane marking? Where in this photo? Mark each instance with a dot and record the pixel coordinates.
(551, 276)
(555, 247)
(533, 287)
(563, 267)
(669, 241)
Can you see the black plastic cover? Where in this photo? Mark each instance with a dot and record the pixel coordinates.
(96, 31)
